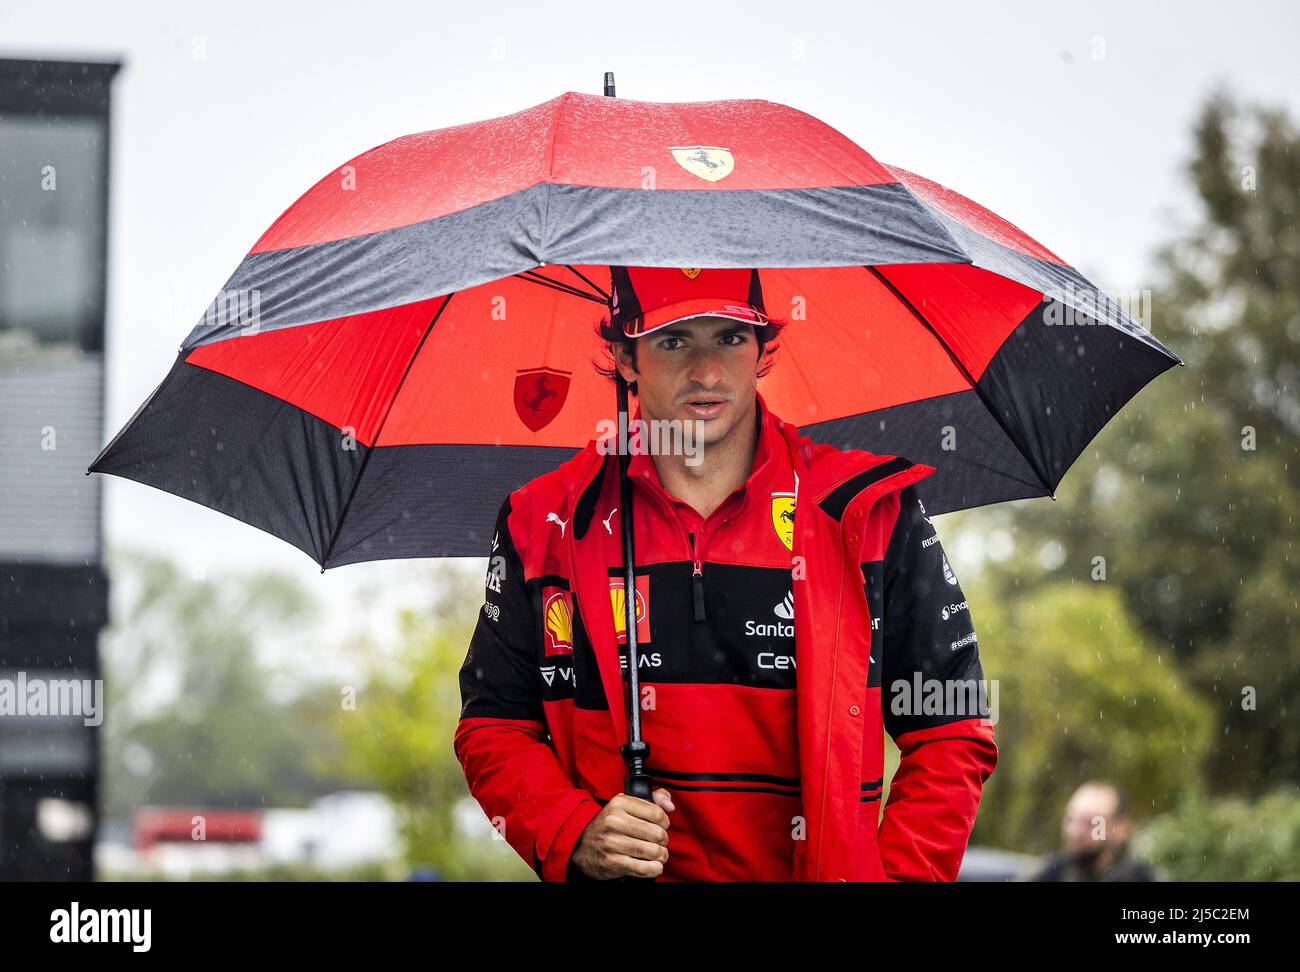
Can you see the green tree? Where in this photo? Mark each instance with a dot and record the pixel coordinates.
(192, 716)
(398, 735)
(1078, 694)
(1187, 502)
(1228, 840)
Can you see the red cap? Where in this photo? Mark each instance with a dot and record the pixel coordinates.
(648, 298)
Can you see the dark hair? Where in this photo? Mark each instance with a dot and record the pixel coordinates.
(612, 335)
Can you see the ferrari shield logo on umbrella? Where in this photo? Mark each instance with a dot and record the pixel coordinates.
(706, 161)
(539, 395)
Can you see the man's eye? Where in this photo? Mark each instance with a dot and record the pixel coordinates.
(666, 342)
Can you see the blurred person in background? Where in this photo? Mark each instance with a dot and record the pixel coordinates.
(1095, 834)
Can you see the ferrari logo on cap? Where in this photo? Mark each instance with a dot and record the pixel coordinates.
(691, 272)
(706, 161)
(783, 518)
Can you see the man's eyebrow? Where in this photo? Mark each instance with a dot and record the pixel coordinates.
(735, 327)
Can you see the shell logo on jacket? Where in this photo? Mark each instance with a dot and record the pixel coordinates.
(558, 618)
(618, 605)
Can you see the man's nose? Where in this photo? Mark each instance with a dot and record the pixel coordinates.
(705, 368)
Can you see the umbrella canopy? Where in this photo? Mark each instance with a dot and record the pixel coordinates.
(416, 335)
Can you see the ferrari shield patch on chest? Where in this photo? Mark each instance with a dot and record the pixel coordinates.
(783, 518)
(706, 161)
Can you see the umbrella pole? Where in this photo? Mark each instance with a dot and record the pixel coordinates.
(636, 751)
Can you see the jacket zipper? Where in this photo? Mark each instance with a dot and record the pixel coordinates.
(697, 581)
(697, 566)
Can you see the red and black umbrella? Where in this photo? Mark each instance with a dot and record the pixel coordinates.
(415, 336)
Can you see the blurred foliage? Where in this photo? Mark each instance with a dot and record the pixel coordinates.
(1080, 694)
(195, 715)
(1230, 839)
(399, 738)
(1188, 499)
(201, 716)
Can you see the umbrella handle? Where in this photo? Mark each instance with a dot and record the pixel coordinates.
(637, 781)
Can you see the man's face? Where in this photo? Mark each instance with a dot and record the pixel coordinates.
(1090, 822)
(703, 369)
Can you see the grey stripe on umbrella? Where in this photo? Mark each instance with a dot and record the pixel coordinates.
(840, 226)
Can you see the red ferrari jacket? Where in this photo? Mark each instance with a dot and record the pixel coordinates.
(874, 603)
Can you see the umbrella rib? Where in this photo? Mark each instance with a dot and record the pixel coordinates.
(365, 460)
(589, 283)
(1028, 456)
(534, 277)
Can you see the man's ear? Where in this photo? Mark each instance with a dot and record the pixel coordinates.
(623, 361)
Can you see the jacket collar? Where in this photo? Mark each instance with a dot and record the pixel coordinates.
(835, 477)
(831, 478)
(641, 467)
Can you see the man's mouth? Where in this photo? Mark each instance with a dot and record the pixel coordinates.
(705, 406)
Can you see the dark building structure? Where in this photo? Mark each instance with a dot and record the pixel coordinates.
(54, 191)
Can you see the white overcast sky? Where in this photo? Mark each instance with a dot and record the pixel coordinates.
(1070, 120)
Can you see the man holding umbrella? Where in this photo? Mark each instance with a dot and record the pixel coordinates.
(314, 401)
(792, 602)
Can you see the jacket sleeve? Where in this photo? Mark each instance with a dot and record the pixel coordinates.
(501, 740)
(943, 733)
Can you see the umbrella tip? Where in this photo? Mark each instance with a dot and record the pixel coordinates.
(609, 84)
